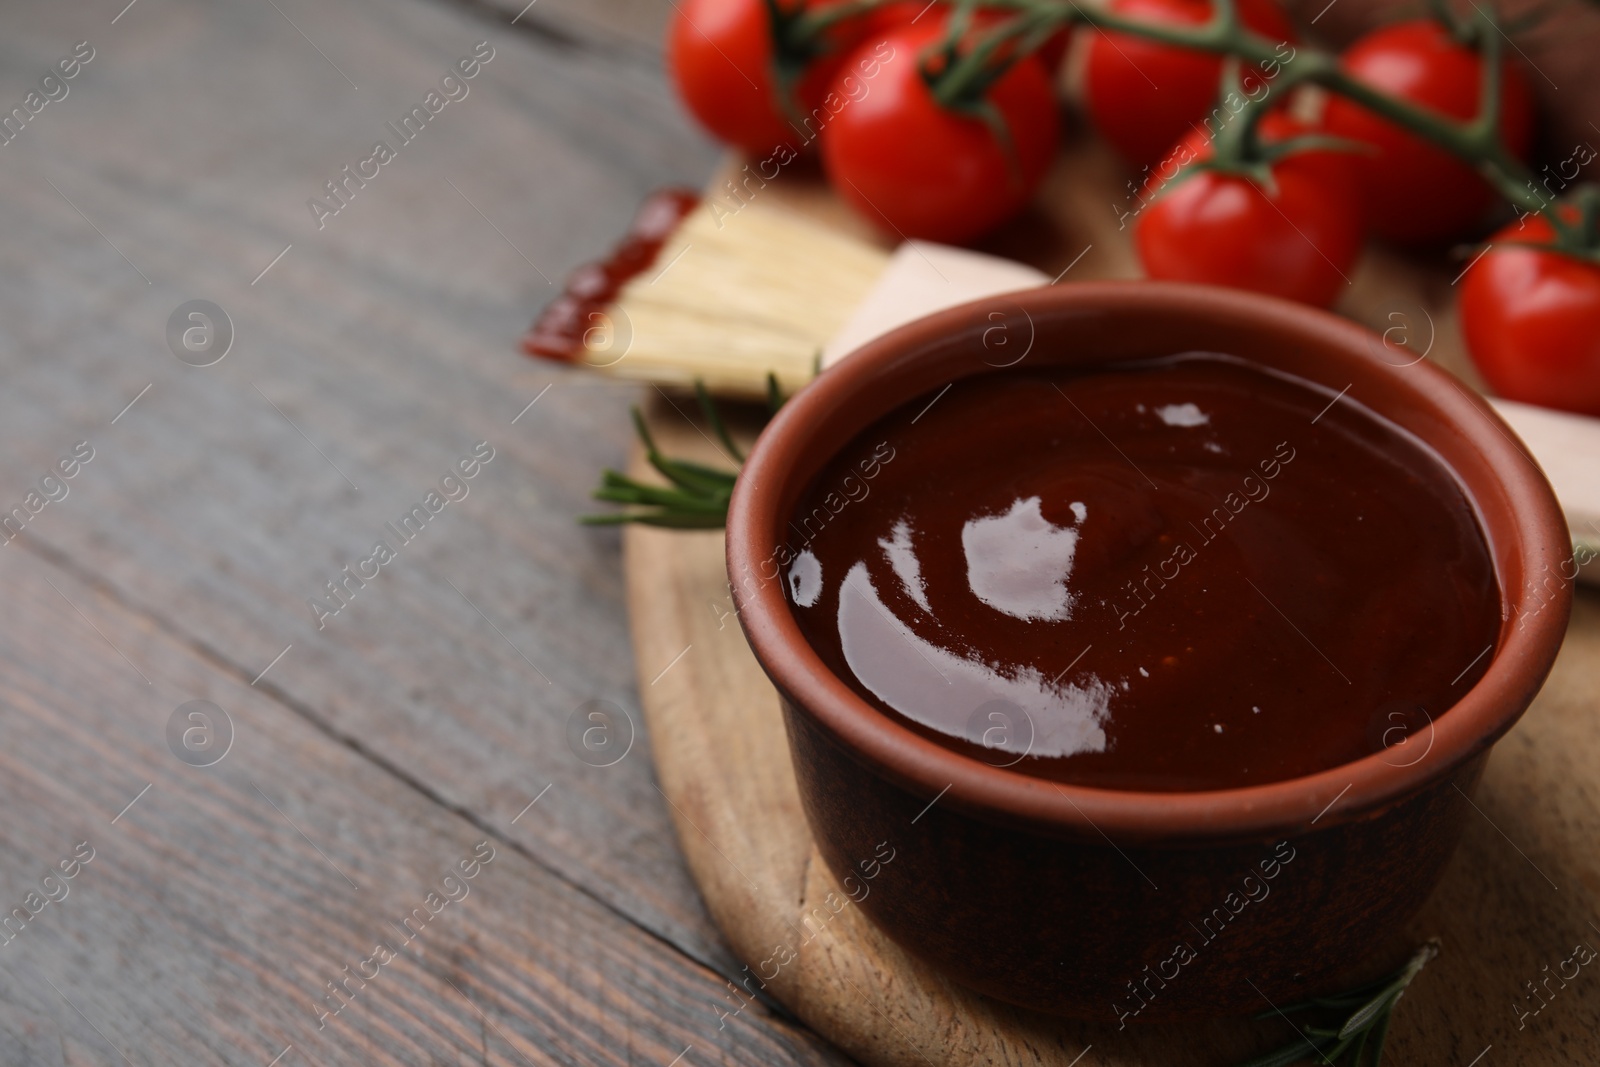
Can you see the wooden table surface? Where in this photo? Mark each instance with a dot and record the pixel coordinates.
(371, 755)
(232, 875)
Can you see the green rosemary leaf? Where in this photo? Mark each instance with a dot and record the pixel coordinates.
(693, 477)
(1361, 1049)
(1366, 1012)
(686, 522)
(614, 480)
(714, 419)
(1350, 999)
(615, 477)
(1364, 1016)
(1381, 1034)
(696, 500)
(674, 520)
(666, 498)
(775, 396)
(643, 431)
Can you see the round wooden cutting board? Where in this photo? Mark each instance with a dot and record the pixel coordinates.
(1518, 898)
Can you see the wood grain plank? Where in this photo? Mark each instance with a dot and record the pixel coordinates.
(219, 900)
(374, 354)
(633, 28)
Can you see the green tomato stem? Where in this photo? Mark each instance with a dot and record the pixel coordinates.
(1476, 141)
(963, 83)
(1236, 146)
(811, 25)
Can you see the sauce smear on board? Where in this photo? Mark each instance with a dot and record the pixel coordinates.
(1173, 575)
(561, 328)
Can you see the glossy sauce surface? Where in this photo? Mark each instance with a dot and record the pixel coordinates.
(1187, 574)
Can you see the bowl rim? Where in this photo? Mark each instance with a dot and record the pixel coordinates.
(1519, 664)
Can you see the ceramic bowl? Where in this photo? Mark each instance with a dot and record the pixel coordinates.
(1134, 906)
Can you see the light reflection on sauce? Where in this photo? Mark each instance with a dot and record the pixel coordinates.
(805, 579)
(1179, 580)
(1183, 415)
(1019, 562)
(942, 689)
(903, 558)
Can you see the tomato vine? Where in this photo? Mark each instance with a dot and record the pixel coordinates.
(964, 71)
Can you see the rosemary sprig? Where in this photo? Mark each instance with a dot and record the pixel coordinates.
(714, 417)
(696, 500)
(1359, 1021)
(698, 496)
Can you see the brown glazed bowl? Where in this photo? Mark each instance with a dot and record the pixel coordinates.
(1132, 906)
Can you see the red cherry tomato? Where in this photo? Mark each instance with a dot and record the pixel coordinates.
(1532, 321)
(1053, 52)
(923, 171)
(1333, 166)
(1416, 193)
(722, 55)
(1298, 237)
(1143, 96)
(879, 21)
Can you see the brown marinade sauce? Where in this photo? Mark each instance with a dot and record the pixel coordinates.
(1173, 575)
